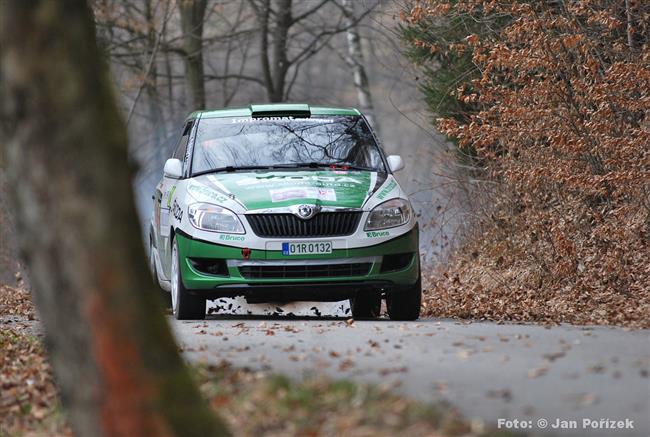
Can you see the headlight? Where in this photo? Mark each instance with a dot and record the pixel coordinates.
(389, 214)
(214, 218)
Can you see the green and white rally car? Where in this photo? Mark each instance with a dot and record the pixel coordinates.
(281, 203)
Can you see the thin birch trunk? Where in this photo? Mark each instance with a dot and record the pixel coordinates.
(354, 59)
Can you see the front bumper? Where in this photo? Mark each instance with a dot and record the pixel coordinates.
(240, 276)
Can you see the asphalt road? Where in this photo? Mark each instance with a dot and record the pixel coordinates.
(487, 370)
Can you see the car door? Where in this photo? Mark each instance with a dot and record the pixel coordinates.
(164, 195)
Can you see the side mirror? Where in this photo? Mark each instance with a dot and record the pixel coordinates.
(395, 163)
(173, 168)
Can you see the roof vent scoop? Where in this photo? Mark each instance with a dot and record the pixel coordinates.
(296, 110)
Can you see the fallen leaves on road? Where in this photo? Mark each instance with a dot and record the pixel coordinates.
(554, 356)
(582, 399)
(16, 302)
(588, 399)
(28, 399)
(253, 403)
(389, 370)
(537, 372)
(504, 394)
(441, 387)
(346, 364)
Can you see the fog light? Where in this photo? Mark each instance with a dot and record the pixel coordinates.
(393, 263)
(209, 266)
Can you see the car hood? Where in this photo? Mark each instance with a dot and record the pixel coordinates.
(273, 189)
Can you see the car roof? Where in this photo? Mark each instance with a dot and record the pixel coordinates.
(274, 110)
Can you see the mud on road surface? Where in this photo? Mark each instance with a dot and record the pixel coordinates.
(488, 370)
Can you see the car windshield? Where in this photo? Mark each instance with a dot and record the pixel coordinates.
(231, 143)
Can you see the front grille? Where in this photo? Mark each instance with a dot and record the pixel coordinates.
(305, 271)
(324, 224)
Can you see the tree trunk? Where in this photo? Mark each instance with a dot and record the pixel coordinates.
(273, 53)
(116, 363)
(280, 60)
(356, 64)
(156, 119)
(192, 16)
(263, 13)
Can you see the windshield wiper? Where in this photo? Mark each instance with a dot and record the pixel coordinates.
(358, 167)
(303, 165)
(325, 165)
(232, 168)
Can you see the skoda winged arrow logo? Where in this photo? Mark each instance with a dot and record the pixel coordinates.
(306, 212)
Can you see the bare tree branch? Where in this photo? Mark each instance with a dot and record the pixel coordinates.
(150, 65)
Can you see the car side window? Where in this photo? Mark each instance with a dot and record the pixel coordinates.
(179, 153)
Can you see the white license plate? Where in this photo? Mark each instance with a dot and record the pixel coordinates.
(311, 248)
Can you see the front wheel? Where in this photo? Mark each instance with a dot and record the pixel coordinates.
(184, 305)
(404, 303)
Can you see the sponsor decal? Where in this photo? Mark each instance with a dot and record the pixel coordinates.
(289, 193)
(177, 211)
(284, 118)
(377, 234)
(204, 191)
(274, 180)
(386, 190)
(254, 190)
(231, 237)
(170, 195)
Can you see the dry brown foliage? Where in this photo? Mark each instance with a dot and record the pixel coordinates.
(16, 302)
(563, 136)
(28, 397)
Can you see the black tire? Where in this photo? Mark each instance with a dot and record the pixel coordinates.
(186, 305)
(404, 303)
(366, 305)
(165, 296)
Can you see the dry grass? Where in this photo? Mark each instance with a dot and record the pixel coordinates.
(258, 404)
